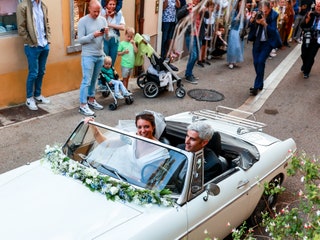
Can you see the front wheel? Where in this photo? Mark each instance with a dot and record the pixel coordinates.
(113, 106)
(151, 90)
(180, 92)
(142, 80)
(267, 201)
(129, 100)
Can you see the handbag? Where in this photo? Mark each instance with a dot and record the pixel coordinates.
(243, 33)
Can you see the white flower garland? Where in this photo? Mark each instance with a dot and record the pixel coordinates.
(112, 189)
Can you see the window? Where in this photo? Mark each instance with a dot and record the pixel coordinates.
(8, 22)
(78, 9)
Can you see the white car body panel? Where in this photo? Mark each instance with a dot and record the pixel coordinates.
(38, 204)
(68, 210)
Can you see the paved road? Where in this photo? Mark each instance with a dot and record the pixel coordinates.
(288, 105)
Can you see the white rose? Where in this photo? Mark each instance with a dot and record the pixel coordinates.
(114, 190)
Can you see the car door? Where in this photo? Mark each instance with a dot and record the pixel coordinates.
(217, 214)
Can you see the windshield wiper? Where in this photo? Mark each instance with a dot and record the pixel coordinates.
(102, 168)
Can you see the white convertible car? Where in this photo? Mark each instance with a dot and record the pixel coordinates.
(85, 190)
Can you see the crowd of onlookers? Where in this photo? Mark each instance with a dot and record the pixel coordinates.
(218, 27)
(208, 28)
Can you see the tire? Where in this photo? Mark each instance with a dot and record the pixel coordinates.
(105, 94)
(113, 106)
(151, 90)
(142, 80)
(180, 92)
(266, 203)
(129, 100)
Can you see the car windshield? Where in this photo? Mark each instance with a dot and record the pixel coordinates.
(133, 159)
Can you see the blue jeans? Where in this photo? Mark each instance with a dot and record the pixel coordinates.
(110, 48)
(192, 45)
(91, 67)
(37, 60)
(260, 53)
(167, 33)
(118, 85)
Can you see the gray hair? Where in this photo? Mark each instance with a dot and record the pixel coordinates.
(265, 3)
(204, 130)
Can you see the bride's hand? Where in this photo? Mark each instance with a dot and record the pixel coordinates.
(88, 119)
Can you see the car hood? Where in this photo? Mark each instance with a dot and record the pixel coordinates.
(38, 204)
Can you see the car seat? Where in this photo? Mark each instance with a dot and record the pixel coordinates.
(215, 145)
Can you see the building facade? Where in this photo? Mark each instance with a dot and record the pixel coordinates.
(63, 71)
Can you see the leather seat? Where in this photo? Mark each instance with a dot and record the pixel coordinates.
(215, 145)
(212, 165)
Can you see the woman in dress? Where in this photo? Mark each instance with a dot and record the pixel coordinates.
(126, 154)
(235, 48)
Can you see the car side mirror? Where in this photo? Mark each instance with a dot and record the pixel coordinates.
(212, 189)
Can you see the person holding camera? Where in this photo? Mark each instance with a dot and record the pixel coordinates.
(265, 37)
(311, 39)
(303, 9)
(91, 29)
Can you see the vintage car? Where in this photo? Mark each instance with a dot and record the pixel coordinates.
(86, 190)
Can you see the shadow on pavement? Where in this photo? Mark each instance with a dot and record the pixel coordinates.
(17, 114)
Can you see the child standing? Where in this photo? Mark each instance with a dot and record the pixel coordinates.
(111, 78)
(209, 20)
(127, 50)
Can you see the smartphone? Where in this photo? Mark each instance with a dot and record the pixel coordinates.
(102, 30)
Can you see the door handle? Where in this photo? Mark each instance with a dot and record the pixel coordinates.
(242, 183)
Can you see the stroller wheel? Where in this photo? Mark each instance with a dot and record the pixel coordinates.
(112, 106)
(151, 90)
(180, 92)
(129, 100)
(142, 80)
(106, 93)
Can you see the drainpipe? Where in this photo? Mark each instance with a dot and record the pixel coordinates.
(141, 19)
(159, 35)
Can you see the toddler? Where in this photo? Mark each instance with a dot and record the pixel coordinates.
(127, 50)
(111, 78)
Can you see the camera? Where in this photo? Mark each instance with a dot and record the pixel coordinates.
(102, 30)
(259, 15)
(307, 38)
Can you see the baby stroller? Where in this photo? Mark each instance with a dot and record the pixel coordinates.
(160, 76)
(107, 90)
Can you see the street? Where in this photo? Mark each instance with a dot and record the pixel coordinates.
(288, 105)
(290, 109)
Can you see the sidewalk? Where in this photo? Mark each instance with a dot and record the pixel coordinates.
(217, 71)
(70, 100)
(64, 101)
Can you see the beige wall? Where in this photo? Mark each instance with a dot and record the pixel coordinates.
(151, 18)
(63, 72)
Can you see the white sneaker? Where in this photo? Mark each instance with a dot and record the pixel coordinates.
(273, 54)
(127, 94)
(85, 110)
(95, 105)
(31, 104)
(42, 99)
(119, 96)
